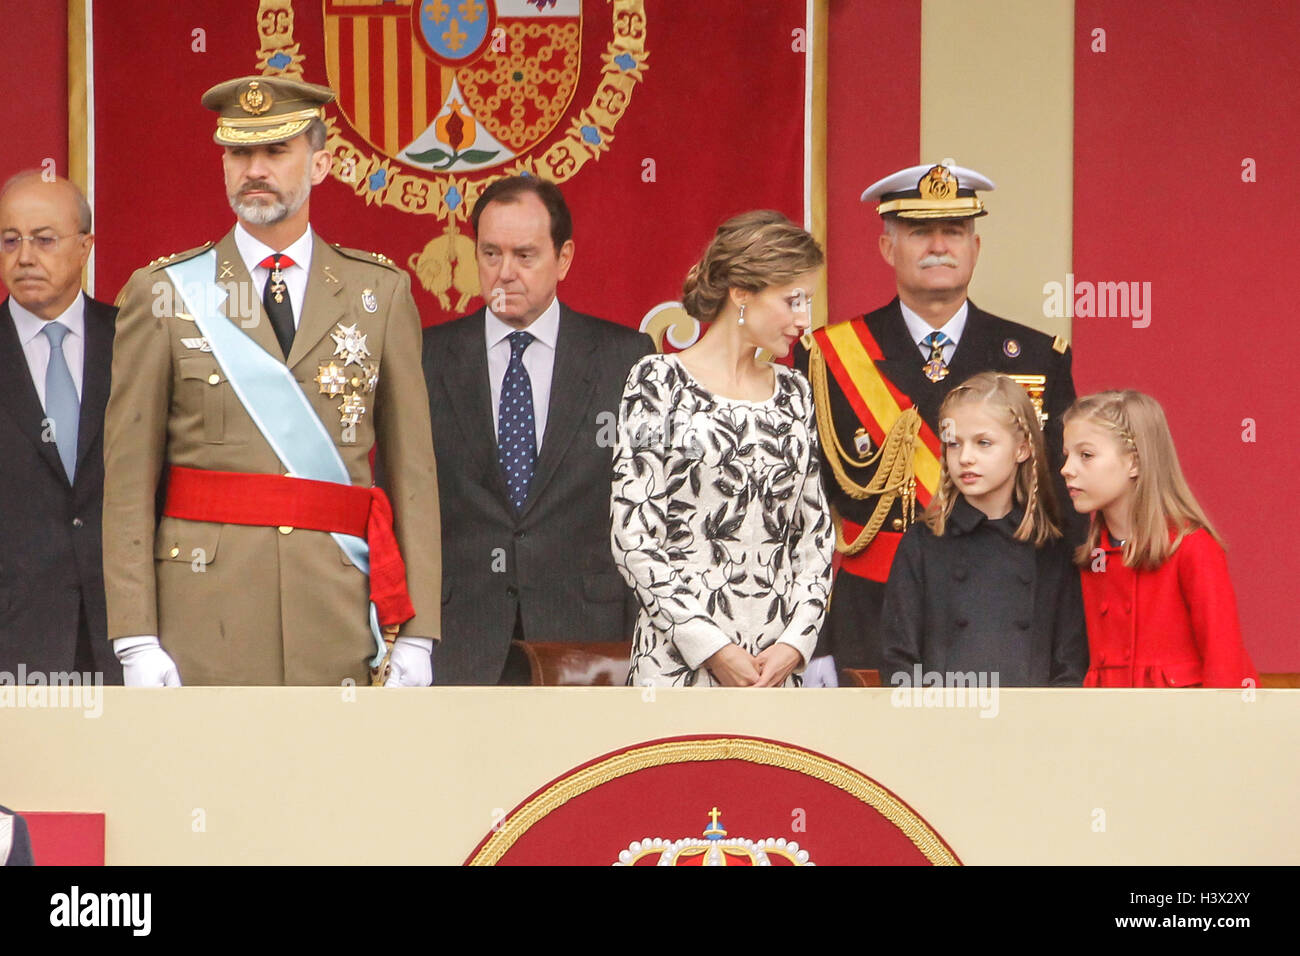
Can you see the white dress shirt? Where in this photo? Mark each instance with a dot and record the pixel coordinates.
(539, 361)
(36, 347)
(254, 251)
(920, 330)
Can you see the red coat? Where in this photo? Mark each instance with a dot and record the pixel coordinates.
(1175, 626)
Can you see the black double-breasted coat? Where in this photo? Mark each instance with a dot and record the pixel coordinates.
(978, 600)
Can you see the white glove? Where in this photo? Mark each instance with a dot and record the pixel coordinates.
(821, 672)
(145, 663)
(411, 662)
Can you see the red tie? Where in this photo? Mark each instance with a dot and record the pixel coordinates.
(269, 262)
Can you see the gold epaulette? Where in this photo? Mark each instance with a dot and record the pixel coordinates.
(1060, 345)
(362, 256)
(179, 256)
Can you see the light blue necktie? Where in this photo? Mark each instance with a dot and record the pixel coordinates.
(516, 424)
(61, 402)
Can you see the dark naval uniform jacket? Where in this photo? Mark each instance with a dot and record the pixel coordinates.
(988, 343)
(978, 600)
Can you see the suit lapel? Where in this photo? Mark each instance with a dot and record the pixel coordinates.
(975, 351)
(903, 364)
(572, 381)
(324, 302)
(243, 306)
(25, 407)
(464, 375)
(95, 371)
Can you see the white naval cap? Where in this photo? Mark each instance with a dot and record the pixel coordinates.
(940, 190)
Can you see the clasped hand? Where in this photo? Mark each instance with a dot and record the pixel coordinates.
(733, 666)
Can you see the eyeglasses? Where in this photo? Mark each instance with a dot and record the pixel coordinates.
(44, 242)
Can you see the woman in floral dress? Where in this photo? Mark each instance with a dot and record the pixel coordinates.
(720, 522)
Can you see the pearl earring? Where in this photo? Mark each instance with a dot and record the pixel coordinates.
(742, 316)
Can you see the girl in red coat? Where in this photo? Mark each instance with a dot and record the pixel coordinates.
(1156, 592)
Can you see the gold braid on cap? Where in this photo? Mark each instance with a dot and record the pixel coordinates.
(895, 460)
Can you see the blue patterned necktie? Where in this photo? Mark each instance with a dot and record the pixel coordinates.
(61, 403)
(517, 424)
(935, 367)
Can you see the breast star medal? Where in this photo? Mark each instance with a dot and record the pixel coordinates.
(351, 409)
(349, 344)
(332, 379)
(335, 378)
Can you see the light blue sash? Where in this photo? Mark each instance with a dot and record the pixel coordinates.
(272, 397)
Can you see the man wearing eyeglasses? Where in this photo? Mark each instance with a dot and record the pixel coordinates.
(56, 345)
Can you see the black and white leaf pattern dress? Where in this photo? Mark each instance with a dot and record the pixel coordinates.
(720, 522)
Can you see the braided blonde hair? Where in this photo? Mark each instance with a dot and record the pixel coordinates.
(1033, 488)
(1162, 500)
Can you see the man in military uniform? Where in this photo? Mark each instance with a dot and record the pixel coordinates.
(251, 378)
(879, 381)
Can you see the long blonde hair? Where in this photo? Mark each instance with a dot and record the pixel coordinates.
(1033, 489)
(1161, 499)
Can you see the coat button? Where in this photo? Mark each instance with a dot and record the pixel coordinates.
(77, 522)
(286, 529)
(214, 379)
(898, 524)
(174, 551)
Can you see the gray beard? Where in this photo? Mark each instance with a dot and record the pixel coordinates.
(269, 213)
(258, 213)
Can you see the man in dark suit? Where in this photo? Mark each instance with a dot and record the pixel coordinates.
(921, 345)
(524, 396)
(56, 344)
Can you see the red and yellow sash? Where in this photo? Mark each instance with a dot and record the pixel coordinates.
(907, 453)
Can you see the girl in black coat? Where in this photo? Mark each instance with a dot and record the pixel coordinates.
(985, 588)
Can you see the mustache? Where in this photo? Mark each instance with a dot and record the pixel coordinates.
(259, 185)
(931, 261)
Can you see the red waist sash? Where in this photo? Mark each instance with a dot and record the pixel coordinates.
(228, 497)
(875, 560)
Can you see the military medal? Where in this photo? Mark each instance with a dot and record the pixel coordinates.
(278, 288)
(332, 379)
(862, 442)
(1011, 348)
(351, 409)
(935, 368)
(349, 344)
(368, 300)
(335, 379)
